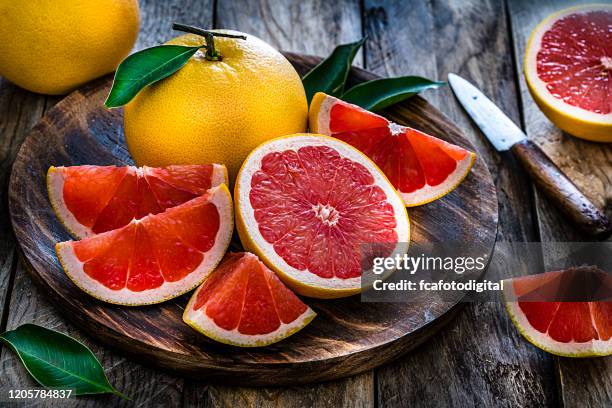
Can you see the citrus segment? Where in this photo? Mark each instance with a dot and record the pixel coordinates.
(245, 304)
(156, 258)
(92, 199)
(568, 68)
(307, 203)
(540, 306)
(421, 167)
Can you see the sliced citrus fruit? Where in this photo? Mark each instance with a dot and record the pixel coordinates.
(308, 204)
(89, 200)
(155, 258)
(421, 167)
(568, 69)
(545, 310)
(243, 303)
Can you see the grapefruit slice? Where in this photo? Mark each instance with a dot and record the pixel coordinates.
(568, 69)
(421, 167)
(306, 204)
(243, 303)
(156, 258)
(89, 200)
(549, 312)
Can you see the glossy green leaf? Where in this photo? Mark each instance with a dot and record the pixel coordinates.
(144, 68)
(330, 74)
(56, 360)
(379, 93)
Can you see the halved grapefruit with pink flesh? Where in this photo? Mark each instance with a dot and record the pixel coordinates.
(89, 200)
(308, 205)
(549, 312)
(568, 69)
(421, 167)
(155, 258)
(243, 303)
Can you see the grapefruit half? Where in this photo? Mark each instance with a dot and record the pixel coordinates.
(89, 200)
(546, 313)
(243, 303)
(306, 204)
(421, 167)
(568, 69)
(155, 258)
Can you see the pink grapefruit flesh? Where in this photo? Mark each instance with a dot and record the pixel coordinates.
(421, 167)
(243, 303)
(568, 69)
(93, 199)
(540, 309)
(307, 204)
(155, 258)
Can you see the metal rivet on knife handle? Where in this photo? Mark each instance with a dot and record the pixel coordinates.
(563, 193)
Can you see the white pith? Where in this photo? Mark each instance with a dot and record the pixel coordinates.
(544, 341)
(428, 193)
(55, 187)
(532, 73)
(322, 125)
(219, 176)
(305, 277)
(204, 324)
(73, 267)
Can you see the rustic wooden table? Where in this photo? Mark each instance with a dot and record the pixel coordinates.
(479, 359)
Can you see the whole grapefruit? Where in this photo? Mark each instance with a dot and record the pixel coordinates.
(53, 46)
(216, 111)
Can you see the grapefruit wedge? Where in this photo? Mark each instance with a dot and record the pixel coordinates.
(89, 200)
(421, 167)
(568, 69)
(156, 258)
(550, 312)
(243, 303)
(308, 204)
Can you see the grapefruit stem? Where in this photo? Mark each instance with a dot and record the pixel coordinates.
(211, 53)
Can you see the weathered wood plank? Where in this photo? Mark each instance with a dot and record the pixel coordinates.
(308, 27)
(313, 27)
(19, 111)
(584, 382)
(143, 385)
(480, 360)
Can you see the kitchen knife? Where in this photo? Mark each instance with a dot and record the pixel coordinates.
(504, 134)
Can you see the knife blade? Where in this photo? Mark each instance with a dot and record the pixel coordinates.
(504, 135)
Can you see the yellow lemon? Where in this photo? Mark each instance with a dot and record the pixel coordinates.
(216, 111)
(53, 46)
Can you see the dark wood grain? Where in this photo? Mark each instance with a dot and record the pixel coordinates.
(581, 382)
(19, 111)
(480, 359)
(312, 27)
(564, 194)
(347, 337)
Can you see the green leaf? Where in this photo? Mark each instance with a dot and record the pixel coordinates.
(144, 68)
(379, 93)
(330, 74)
(56, 360)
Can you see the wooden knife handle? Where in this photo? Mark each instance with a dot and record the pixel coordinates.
(566, 196)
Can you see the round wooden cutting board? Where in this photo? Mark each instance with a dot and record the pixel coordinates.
(346, 338)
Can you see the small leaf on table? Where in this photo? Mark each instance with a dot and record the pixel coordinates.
(330, 74)
(144, 68)
(380, 93)
(56, 360)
